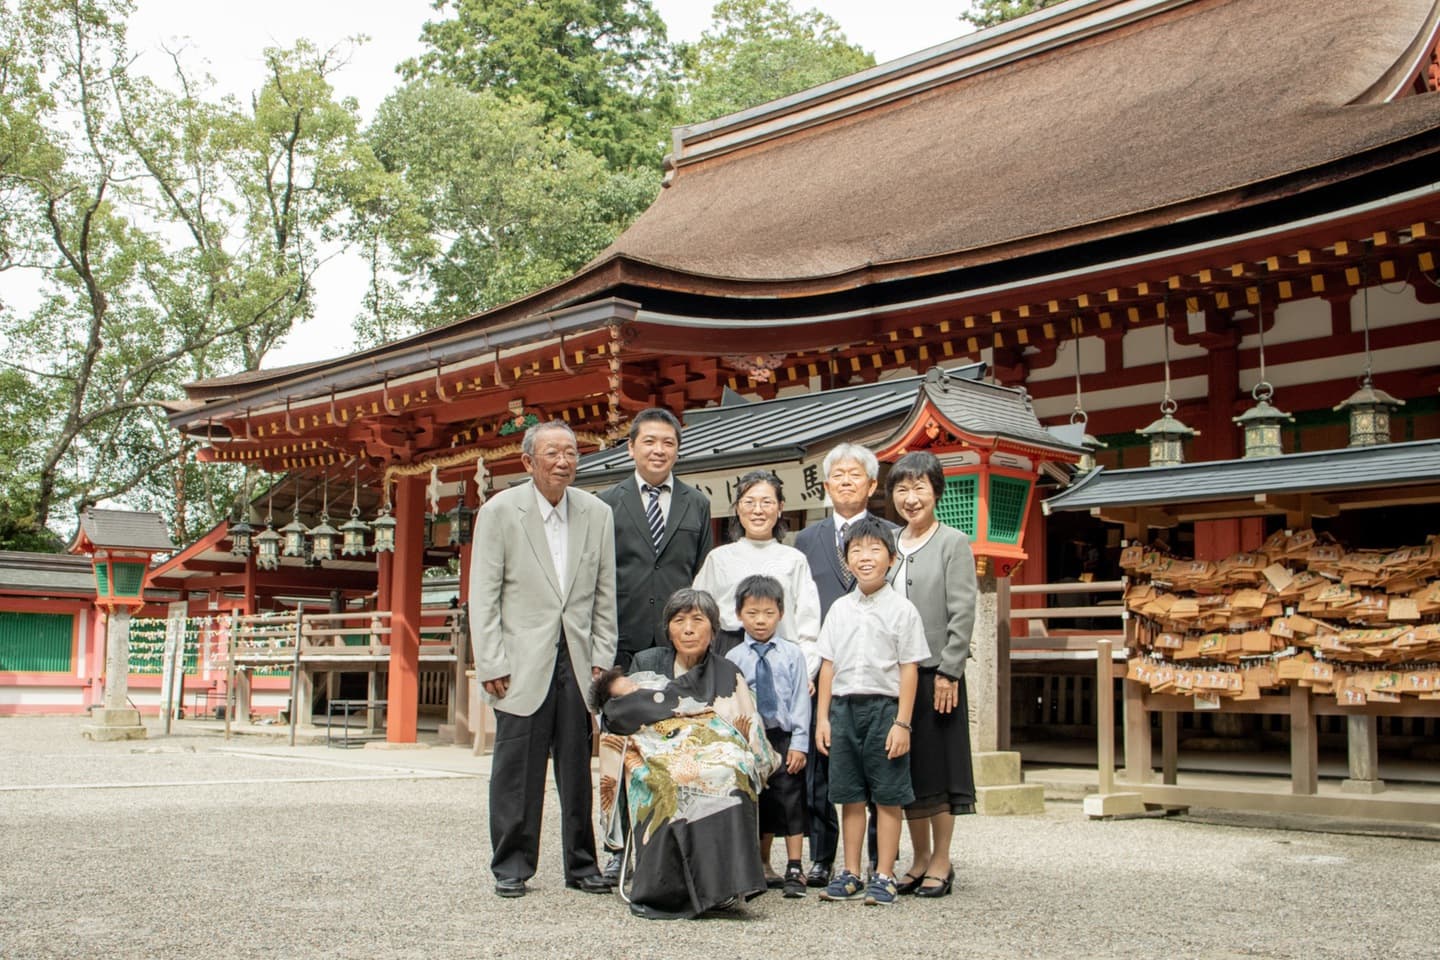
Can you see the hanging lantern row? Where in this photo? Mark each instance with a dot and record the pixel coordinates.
(316, 544)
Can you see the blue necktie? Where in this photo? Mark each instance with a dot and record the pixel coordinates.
(765, 698)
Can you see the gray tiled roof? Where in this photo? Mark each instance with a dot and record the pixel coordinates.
(742, 434)
(990, 410)
(126, 529)
(1357, 468)
(46, 573)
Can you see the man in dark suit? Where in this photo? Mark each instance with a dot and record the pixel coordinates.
(662, 534)
(542, 625)
(850, 472)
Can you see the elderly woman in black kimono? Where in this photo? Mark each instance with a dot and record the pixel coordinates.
(685, 752)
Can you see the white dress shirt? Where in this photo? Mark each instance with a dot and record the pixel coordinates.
(555, 518)
(866, 638)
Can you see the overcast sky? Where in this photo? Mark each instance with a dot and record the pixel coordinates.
(228, 38)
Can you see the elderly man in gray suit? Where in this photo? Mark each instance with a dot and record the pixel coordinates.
(542, 625)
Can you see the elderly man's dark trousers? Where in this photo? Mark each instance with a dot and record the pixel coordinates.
(561, 727)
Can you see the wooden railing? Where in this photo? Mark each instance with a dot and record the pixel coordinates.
(1038, 639)
(310, 643)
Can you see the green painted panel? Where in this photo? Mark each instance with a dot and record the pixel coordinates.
(1008, 499)
(147, 646)
(129, 578)
(957, 508)
(102, 579)
(36, 642)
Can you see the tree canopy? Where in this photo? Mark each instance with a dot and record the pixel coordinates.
(169, 234)
(988, 13)
(758, 50)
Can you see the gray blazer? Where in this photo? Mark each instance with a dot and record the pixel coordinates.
(517, 608)
(644, 578)
(940, 578)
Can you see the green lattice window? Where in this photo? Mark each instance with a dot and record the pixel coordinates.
(1008, 499)
(129, 578)
(957, 507)
(36, 642)
(102, 579)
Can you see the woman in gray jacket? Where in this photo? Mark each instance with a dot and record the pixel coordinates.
(936, 570)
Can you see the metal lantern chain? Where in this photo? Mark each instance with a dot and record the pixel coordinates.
(1078, 415)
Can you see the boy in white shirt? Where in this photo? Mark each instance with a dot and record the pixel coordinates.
(869, 646)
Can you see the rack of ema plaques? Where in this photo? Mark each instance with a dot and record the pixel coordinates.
(1302, 628)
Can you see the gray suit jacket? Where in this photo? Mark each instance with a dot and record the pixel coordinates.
(817, 542)
(517, 607)
(940, 578)
(644, 579)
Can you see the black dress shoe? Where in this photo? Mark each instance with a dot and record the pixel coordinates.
(942, 890)
(819, 876)
(590, 883)
(509, 887)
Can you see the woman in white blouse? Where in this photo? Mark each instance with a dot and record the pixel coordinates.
(759, 500)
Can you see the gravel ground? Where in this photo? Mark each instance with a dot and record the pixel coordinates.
(187, 846)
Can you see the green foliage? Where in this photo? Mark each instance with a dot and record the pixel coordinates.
(988, 13)
(171, 237)
(509, 205)
(601, 70)
(759, 50)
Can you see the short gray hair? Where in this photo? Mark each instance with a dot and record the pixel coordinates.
(851, 451)
(688, 598)
(527, 443)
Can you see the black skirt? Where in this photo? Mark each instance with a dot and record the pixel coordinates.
(940, 770)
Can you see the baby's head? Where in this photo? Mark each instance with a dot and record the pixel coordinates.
(612, 683)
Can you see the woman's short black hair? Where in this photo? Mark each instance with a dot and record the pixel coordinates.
(688, 598)
(742, 487)
(870, 528)
(914, 466)
(759, 586)
(600, 689)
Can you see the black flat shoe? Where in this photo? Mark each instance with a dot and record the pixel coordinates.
(509, 888)
(819, 876)
(591, 883)
(943, 890)
(909, 884)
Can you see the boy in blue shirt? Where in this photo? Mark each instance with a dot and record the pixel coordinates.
(775, 670)
(869, 645)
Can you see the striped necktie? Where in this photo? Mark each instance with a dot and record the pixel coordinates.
(653, 516)
(847, 579)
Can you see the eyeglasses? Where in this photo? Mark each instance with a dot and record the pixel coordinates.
(748, 504)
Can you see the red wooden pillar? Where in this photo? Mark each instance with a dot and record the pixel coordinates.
(1220, 439)
(409, 564)
(248, 603)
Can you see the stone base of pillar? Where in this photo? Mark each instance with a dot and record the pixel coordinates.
(1010, 800)
(1362, 786)
(998, 787)
(1101, 805)
(388, 745)
(106, 724)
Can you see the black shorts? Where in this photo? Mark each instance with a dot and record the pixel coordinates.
(860, 772)
(782, 802)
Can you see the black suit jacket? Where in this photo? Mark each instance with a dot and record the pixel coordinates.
(643, 579)
(817, 542)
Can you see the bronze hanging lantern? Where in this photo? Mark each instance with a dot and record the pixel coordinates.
(1369, 407)
(1167, 435)
(1262, 422)
(267, 542)
(322, 535)
(353, 531)
(384, 525)
(294, 532)
(241, 537)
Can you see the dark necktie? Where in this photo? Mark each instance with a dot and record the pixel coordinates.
(653, 516)
(847, 579)
(765, 699)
